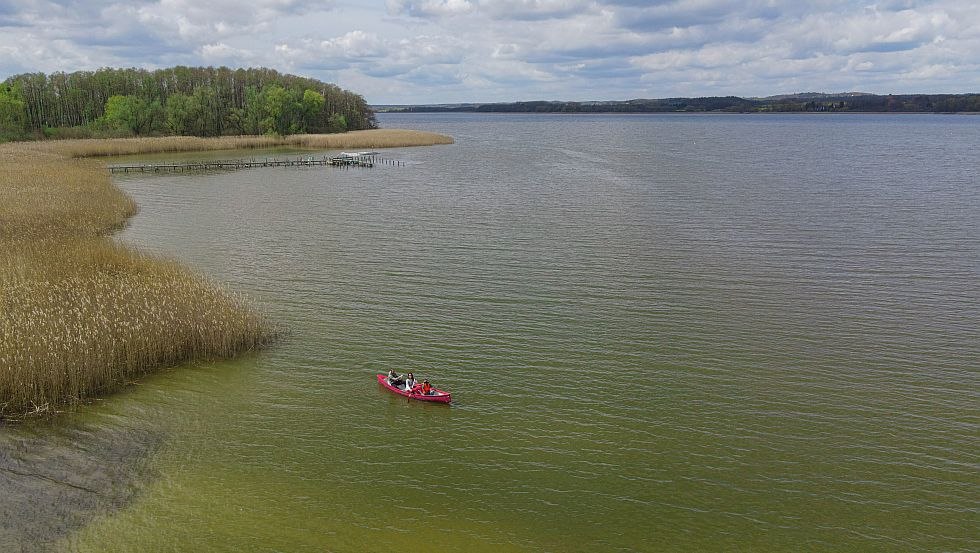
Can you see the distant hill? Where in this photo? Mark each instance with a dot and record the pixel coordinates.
(812, 96)
(800, 102)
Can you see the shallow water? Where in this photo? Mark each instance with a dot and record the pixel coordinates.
(661, 332)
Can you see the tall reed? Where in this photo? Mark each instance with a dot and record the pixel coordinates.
(44, 194)
(82, 316)
(374, 138)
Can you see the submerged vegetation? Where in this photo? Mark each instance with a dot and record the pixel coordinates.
(198, 101)
(81, 315)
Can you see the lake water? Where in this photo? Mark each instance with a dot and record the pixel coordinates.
(662, 333)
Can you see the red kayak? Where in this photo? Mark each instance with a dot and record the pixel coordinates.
(438, 396)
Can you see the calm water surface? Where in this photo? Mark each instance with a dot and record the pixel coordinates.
(662, 333)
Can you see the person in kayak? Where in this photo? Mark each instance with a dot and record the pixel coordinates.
(410, 382)
(395, 379)
(426, 388)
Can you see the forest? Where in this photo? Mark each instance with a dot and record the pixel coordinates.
(806, 102)
(195, 101)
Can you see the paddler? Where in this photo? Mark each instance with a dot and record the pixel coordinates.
(394, 379)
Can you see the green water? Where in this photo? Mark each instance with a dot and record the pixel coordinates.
(661, 334)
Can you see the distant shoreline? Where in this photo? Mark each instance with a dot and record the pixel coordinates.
(800, 103)
(689, 113)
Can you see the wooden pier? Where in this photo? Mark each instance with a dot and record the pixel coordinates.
(345, 160)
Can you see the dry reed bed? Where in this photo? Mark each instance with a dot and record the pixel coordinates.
(83, 316)
(375, 138)
(43, 194)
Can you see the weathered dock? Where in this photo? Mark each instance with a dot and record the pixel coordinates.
(343, 160)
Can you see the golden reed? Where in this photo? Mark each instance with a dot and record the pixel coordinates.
(81, 315)
(375, 138)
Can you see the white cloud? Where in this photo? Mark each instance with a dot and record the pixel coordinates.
(207, 20)
(431, 8)
(374, 55)
(535, 9)
(484, 50)
(223, 54)
(353, 45)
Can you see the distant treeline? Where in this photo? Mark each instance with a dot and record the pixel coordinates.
(199, 101)
(940, 103)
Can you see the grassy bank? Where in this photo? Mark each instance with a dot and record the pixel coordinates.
(81, 315)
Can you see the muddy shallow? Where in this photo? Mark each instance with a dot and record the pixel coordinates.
(57, 476)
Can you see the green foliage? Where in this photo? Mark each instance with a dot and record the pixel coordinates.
(13, 113)
(69, 133)
(338, 123)
(132, 113)
(254, 111)
(312, 105)
(282, 109)
(209, 120)
(202, 101)
(180, 113)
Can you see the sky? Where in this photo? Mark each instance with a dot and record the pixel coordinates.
(450, 51)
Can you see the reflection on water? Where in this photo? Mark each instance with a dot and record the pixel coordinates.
(661, 332)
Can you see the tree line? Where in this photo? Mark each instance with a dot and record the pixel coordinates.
(936, 103)
(199, 101)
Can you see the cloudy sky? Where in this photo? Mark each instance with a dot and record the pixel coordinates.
(432, 51)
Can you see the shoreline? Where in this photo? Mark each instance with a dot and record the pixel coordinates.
(680, 113)
(374, 138)
(82, 315)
